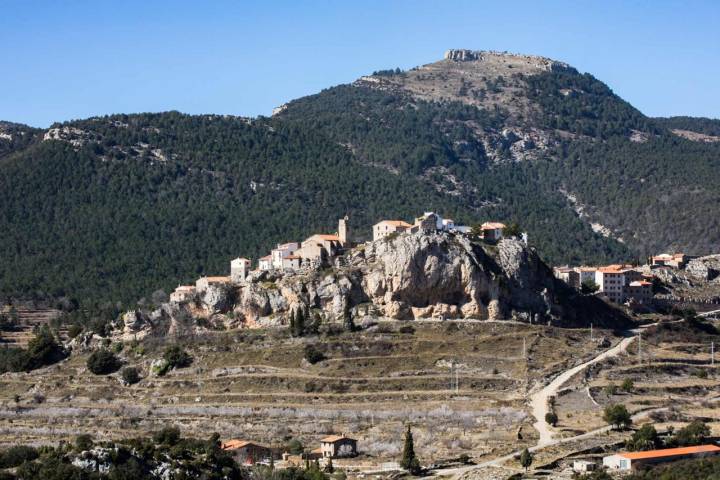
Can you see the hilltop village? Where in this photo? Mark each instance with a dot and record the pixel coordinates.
(319, 248)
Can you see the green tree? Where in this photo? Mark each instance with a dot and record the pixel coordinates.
(617, 416)
(83, 442)
(526, 459)
(130, 375)
(512, 230)
(409, 460)
(588, 287)
(103, 362)
(294, 446)
(177, 357)
(329, 468)
(695, 433)
(627, 385)
(646, 438)
(551, 418)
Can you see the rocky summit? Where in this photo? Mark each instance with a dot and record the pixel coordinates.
(416, 276)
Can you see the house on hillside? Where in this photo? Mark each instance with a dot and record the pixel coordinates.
(322, 245)
(279, 254)
(203, 283)
(586, 274)
(636, 460)
(239, 269)
(386, 227)
(246, 452)
(183, 293)
(338, 446)
(265, 263)
(611, 282)
(492, 231)
(568, 275)
(639, 291)
(676, 260)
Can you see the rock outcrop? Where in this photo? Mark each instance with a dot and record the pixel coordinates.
(413, 276)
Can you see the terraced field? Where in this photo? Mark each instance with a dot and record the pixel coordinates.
(462, 386)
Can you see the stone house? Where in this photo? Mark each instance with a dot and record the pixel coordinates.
(639, 291)
(676, 260)
(183, 293)
(386, 227)
(492, 231)
(338, 446)
(568, 275)
(203, 283)
(428, 222)
(248, 453)
(239, 269)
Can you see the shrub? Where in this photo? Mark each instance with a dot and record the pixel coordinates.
(294, 446)
(167, 436)
(627, 385)
(407, 330)
(74, 330)
(83, 442)
(694, 433)
(176, 357)
(103, 362)
(313, 355)
(17, 455)
(130, 375)
(551, 418)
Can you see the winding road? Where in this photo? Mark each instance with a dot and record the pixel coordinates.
(539, 406)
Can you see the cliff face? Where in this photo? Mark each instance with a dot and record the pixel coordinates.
(407, 277)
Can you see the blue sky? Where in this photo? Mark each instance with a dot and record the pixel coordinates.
(74, 59)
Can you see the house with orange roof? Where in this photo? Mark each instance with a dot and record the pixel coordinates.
(639, 291)
(676, 260)
(387, 227)
(247, 452)
(611, 282)
(279, 254)
(338, 446)
(635, 460)
(492, 231)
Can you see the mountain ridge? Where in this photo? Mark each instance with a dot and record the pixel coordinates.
(190, 191)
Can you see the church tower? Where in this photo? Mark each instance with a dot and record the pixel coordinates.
(344, 230)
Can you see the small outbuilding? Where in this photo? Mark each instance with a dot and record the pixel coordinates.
(246, 452)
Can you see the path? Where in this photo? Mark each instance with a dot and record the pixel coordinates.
(539, 407)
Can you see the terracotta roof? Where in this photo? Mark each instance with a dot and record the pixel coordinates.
(323, 236)
(287, 246)
(640, 283)
(266, 257)
(492, 225)
(184, 288)
(235, 443)
(293, 257)
(334, 438)
(395, 223)
(611, 269)
(218, 279)
(587, 269)
(671, 452)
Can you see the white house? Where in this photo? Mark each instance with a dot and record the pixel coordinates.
(611, 280)
(281, 252)
(239, 269)
(586, 274)
(265, 263)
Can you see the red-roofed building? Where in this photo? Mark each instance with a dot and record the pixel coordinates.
(246, 452)
(635, 460)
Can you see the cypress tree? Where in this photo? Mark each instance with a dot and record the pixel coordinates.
(409, 461)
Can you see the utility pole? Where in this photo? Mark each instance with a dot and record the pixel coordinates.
(591, 335)
(640, 347)
(524, 349)
(712, 353)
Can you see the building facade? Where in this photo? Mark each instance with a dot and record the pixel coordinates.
(635, 460)
(247, 453)
(338, 446)
(386, 227)
(239, 269)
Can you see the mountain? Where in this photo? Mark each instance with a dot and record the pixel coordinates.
(115, 207)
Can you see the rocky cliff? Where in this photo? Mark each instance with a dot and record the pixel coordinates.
(404, 277)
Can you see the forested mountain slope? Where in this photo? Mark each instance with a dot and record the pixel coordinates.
(113, 208)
